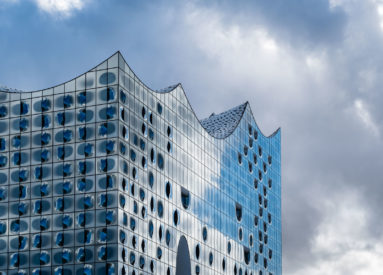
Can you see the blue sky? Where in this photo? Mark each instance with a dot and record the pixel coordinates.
(313, 67)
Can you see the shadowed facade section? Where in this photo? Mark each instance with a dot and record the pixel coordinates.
(183, 258)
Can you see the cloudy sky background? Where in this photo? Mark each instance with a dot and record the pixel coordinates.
(313, 67)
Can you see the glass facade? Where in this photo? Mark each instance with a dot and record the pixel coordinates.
(102, 175)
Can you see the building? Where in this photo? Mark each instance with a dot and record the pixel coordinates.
(102, 175)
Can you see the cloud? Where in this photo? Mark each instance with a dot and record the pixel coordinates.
(64, 8)
(365, 116)
(315, 69)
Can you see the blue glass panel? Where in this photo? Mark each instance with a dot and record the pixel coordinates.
(88, 236)
(82, 133)
(66, 221)
(38, 173)
(2, 144)
(3, 161)
(15, 260)
(81, 115)
(67, 170)
(24, 108)
(80, 257)
(45, 139)
(82, 167)
(67, 135)
(122, 236)
(88, 149)
(45, 121)
(160, 161)
(88, 202)
(44, 224)
(3, 228)
(61, 118)
(66, 256)
(15, 226)
(37, 209)
(110, 112)
(67, 187)
(23, 124)
(23, 175)
(44, 258)
(3, 194)
(82, 98)
(45, 105)
(16, 158)
(109, 217)
(16, 141)
(107, 78)
(59, 204)
(122, 96)
(23, 241)
(37, 241)
(103, 235)
(3, 111)
(45, 155)
(110, 146)
(102, 253)
(59, 239)
(22, 192)
(22, 209)
(44, 190)
(103, 129)
(81, 219)
(58, 271)
(68, 101)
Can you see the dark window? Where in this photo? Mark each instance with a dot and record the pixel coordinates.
(255, 184)
(175, 217)
(160, 159)
(185, 198)
(238, 211)
(197, 251)
(256, 220)
(159, 108)
(168, 189)
(239, 158)
(210, 258)
(204, 233)
(159, 253)
(228, 247)
(151, 229)
(151, 179)
(240, 234)
(160, 209)
(246, 254)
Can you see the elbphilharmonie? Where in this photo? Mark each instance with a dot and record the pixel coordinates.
(103, 175)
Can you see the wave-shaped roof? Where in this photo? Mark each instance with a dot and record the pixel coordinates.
(223, 124)
(218, 126)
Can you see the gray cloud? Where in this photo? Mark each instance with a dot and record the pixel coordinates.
(312, 68)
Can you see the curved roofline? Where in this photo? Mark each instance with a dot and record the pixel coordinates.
(165, 91)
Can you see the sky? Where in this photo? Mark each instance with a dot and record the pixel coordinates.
(312, 67)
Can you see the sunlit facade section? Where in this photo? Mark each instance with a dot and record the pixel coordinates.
(103, 175)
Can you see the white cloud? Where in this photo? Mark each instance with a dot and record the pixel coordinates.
(342, 242)
(365, 116)
(63, 8)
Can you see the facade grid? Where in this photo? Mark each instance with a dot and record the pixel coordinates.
(102, 175)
